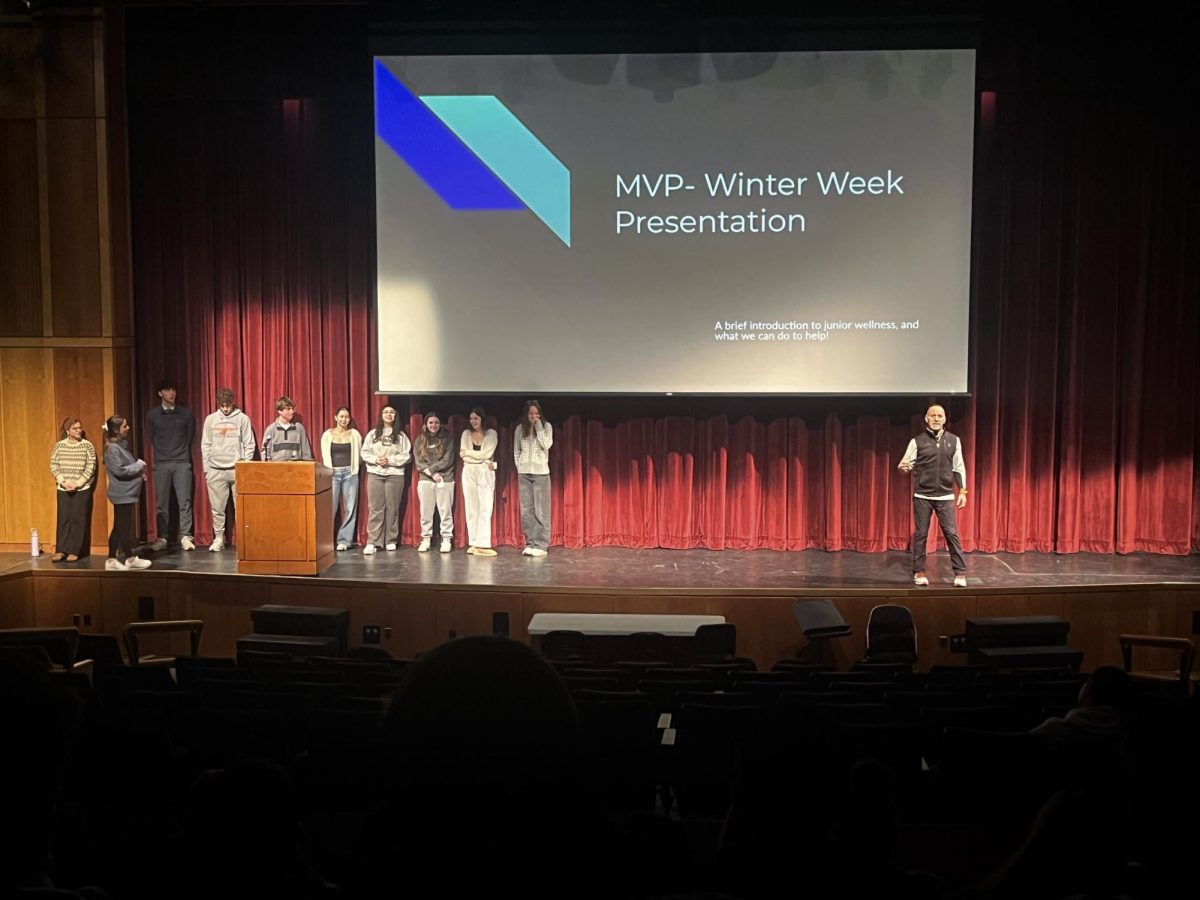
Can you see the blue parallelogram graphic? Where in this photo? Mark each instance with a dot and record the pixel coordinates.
(473, 152)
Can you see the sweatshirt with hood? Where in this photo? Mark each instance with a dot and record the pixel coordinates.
(226, 439)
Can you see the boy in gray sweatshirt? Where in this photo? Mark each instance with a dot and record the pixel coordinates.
(227, 438)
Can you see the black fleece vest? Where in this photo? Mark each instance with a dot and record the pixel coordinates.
(934, 464)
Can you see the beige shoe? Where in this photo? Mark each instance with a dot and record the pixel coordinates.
(470, 551)
(484, 551)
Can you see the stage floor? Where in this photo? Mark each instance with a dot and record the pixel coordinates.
(615, 568)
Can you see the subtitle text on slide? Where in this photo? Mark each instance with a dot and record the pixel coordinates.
(794, 331)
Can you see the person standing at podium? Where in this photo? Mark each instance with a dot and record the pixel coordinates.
(285, 439)
(386, 451)
(341, 450)
(434, 461)
(226, 439)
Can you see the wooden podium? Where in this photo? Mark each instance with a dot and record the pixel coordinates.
(285, 518)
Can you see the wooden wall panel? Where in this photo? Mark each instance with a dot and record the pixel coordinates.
(16, 603)
(461, 613)
(225, 613)
(59, 598)
(20, 48)
(407, 622)
(1098, 617)
(68, 54)
(74, 227)
(115, 222)
(28, 429)
(766, 629)
(20, 224)
(938, 615)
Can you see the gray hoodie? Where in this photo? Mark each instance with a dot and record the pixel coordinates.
(226, 440)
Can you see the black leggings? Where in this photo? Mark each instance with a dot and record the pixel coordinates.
(122, 530)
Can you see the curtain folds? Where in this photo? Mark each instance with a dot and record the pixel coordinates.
(252, 210)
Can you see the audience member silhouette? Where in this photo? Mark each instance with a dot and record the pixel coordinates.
(489, 790)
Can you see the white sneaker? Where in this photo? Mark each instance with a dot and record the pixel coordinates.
(392, 546)
(134, 562)
(114, 565)
(369, 550)
(536, 551)
(160, 544)
(528, 551)
(423, 547)
(342, 545)
(446, 547)
(920, 579)
(187, 543)
(217, 545)
(960, 580)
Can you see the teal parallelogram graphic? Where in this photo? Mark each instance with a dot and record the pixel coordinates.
(510, 150)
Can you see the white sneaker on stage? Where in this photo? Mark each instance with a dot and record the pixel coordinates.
(134, 562)
(446, 546)
(369, 550)
(392, 546)
(187, 543)
(342, 545)
(960, 580)
(536, 551)
(114, 565)
(528, 551)
(423, 547)
(217, 545)
(920, 579)
(160, 544)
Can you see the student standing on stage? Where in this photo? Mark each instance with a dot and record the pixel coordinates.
(532, 441)
(341, 450)
(226, 439)
(477, 450)
(935, 457)
(386, 452)
(126, 473)
(172, 430)
(434, 461)
(73, 465)
(286, 440)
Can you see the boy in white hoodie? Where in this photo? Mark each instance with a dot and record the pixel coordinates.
(227, 438)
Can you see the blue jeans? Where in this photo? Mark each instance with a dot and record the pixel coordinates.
(345, 497)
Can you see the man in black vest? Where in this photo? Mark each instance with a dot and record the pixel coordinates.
(935, 458)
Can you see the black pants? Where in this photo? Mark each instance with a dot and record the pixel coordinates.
(74, 510)
(947, 516)
(121, 537)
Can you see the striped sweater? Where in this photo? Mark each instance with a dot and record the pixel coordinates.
(73, 461)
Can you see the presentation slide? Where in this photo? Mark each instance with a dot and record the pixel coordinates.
(743, 223)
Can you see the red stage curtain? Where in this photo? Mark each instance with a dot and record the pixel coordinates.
(253, 253)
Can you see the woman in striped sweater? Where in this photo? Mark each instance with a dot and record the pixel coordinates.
(73, 465)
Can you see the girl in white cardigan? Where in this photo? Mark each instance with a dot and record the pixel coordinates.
(341, 450)
(477, 450)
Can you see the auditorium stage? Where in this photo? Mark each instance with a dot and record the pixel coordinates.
(417, 600)
(617, 568)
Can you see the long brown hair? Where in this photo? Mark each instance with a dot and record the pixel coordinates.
(523, 426)
(66, 424)
(380, 424)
